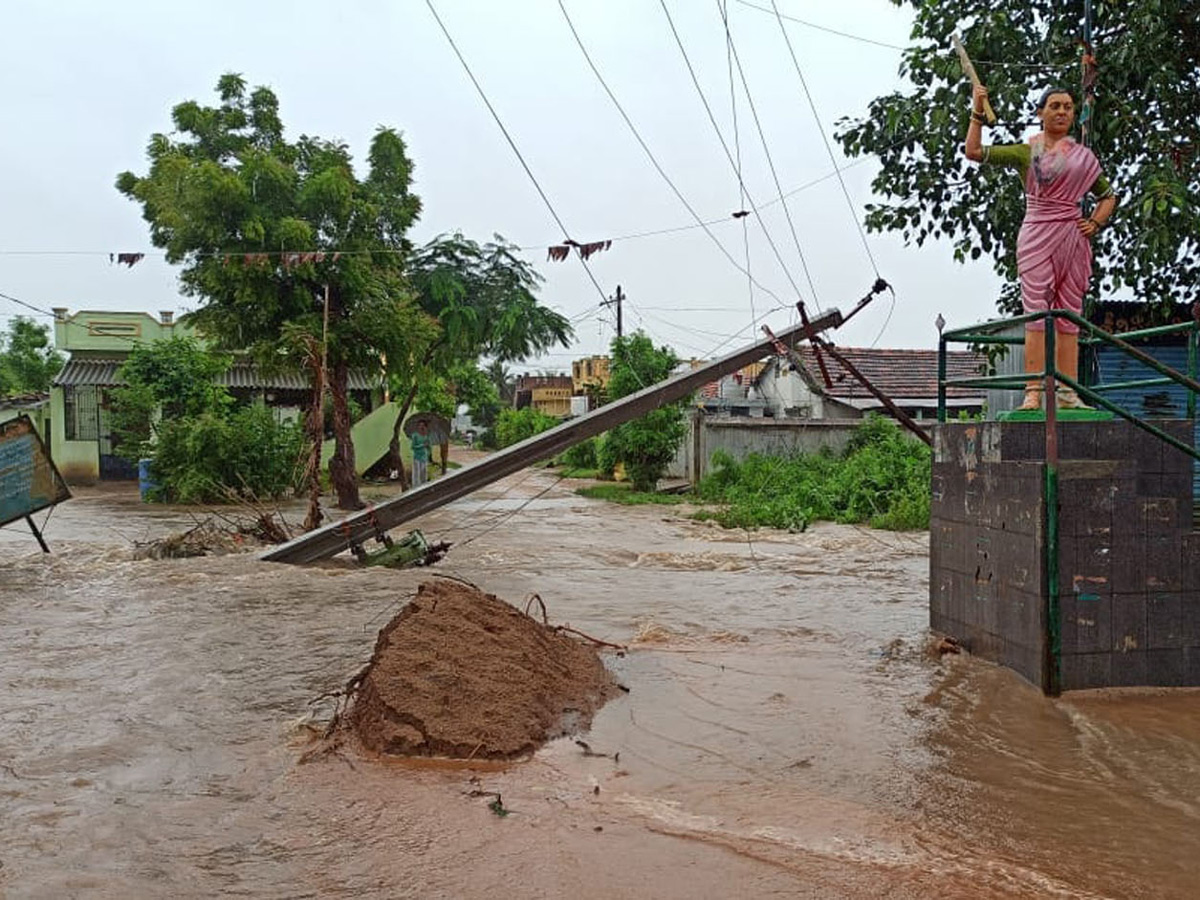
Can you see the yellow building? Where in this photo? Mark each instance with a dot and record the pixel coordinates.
(591, 371)
(553, 401)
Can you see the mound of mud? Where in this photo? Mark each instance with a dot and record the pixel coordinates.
(463, 674)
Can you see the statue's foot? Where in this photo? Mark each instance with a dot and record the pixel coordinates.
(1068, 399)
(1033, 400)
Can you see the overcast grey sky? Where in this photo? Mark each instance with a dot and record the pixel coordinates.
(87, 84)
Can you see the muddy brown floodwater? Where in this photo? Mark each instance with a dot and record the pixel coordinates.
(786, 734)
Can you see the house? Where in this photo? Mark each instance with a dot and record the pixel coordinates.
(36, 406)
(908, 377)
(590, 374)
(98, 342)
(550, 394)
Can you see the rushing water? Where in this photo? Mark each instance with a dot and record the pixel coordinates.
(786, 731)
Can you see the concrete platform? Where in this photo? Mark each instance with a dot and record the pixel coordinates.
(1127, 610)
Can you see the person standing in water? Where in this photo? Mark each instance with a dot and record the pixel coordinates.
(1054, 251)
(420, 454)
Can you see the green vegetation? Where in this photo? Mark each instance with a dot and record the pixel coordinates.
(276, 237)
(1143, 130)
(28, 360)
(515, 425)
(882, 479)
(204, 448)
(625, 494)
(217, 457)
(647, 445)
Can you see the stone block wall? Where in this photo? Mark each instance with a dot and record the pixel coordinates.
(1128, 560)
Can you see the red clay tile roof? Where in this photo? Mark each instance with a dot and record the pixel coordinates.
(901, 374)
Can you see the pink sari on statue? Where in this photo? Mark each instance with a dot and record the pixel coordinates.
(1054, 258)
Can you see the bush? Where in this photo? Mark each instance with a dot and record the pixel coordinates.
(515, 425)
(581, 456)
(215, 457)
(882, 480)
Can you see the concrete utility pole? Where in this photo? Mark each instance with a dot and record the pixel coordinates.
(359, 527)
(616, 301)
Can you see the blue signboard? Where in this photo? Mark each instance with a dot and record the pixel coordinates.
(28, 479)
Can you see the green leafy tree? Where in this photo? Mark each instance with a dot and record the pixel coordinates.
(1146, 132)
(165, 381)
(515, 425)
(292, 255)
(647, 445)
(28, 360)
(484, 300)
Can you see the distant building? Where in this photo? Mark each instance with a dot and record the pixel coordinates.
(590, 374)
(907, 377)
(550, 394)
(98, 343)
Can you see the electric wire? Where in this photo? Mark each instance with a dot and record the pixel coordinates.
(511, 143)
(737, 148)
(650, 154)
(762, 136)
(736, 163)
(825, 138)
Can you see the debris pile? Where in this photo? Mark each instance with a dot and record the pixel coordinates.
(215, 536)
(460, 673)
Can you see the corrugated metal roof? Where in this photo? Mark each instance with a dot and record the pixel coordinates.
(103, 373)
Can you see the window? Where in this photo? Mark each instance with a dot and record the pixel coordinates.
(81, 407)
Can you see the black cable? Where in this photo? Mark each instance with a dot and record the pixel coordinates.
(650, 155)
(511, 143)
(825, 138)
(762, 136)
(737, 148)
(736, 164)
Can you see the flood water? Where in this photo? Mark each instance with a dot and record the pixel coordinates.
(787, 733)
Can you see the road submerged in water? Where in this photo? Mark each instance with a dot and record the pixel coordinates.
(787, 731)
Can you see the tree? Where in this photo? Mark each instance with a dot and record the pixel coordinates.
(483, 297)
(647, 445)
(28, 360)
(292, 255)
(164, 381)
(1145, 131)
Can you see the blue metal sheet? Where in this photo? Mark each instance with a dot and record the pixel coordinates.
(1167, 401)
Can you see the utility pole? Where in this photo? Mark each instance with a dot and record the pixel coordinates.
(616, 301)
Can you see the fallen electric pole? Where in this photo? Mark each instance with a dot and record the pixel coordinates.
(372, 522)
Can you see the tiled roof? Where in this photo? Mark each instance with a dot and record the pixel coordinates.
(907, 374)
(103, 373)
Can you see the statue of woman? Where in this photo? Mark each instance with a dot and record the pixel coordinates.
(1054, 253)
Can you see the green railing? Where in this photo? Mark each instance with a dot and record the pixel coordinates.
(986, 333)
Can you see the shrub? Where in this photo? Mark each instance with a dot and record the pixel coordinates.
(215, 457)
(515, 425)
(581, 456)
(881, 480)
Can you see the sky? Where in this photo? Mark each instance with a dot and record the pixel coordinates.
(89, 83)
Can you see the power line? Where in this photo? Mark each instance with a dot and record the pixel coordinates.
(511, 143)
(826, 29)
(762, 136)
(821, 128)
(737, 148)
(736, 164)
(29, 306)
(650, 155)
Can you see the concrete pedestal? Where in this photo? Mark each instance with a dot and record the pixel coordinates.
(1126, 610)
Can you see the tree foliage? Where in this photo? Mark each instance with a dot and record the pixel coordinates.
(28, 360)
(515, 425)
(647, 445)
(1145, 131)
(203, 447)
(266, 229)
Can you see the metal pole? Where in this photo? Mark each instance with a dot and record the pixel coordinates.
(37, 534)
(941, 410)
(1052, 680)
